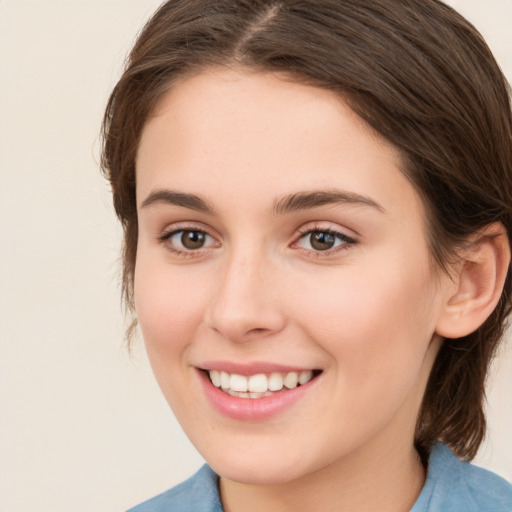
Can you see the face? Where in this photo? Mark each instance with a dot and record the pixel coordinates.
(283, 284)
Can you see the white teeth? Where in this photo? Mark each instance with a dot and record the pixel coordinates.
(258, 385)
(257, 395)
(224, 380)
(291, 380)
(241, 394)
(215, 376)
(238, 382)
(305, 377)
(275, 382)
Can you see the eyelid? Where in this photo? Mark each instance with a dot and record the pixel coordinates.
(303, 231)
(179, 227)
(174, 227)
(165, 239)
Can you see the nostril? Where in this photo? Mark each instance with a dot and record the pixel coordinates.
(257, 330)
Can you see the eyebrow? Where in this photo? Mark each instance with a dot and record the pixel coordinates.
(314, 199)
(170, 197)
(298, 201)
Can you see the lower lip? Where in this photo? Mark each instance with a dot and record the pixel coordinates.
(253, 409)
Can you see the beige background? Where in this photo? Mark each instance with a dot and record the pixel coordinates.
(83, 427)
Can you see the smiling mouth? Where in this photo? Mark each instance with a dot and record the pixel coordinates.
(259, 385)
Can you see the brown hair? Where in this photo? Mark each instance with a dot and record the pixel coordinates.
(417, 72)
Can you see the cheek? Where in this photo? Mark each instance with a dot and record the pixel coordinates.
(169, 310)
(375, 322)
(169, 307)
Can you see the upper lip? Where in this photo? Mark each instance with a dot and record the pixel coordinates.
(252, 368)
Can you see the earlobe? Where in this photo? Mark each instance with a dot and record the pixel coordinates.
(478, 283)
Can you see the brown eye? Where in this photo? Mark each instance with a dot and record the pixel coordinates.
(193, 239)
(187, 240)
(321, 240)
(318, 240)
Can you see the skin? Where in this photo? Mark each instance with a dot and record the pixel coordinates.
(364, 312)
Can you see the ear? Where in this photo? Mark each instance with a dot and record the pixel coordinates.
(477, 283)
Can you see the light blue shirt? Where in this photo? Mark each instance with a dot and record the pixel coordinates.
(451, 486)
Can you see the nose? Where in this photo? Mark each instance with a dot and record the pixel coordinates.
(246, 302)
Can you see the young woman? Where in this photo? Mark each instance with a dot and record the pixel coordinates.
(316, 201)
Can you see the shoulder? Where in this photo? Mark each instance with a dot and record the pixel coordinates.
(197, 494)
(456, 486)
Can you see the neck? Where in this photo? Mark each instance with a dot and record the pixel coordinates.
(388, 481)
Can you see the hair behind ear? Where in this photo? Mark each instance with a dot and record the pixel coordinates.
(472, 325)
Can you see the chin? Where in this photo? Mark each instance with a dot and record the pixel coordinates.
(257, 461)
(264, 472)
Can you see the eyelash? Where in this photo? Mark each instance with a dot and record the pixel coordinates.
(347, 242)
(165, 238)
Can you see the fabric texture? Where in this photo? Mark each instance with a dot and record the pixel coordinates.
(451, 486)
(456, 486)
(197, 494)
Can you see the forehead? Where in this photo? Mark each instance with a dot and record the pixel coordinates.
(254, 101)
(258, 135)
